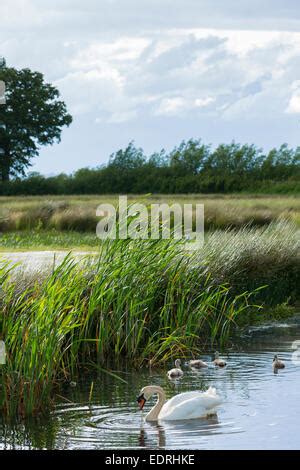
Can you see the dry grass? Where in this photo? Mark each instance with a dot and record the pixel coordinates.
(78, 213)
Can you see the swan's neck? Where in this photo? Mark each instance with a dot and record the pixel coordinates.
(153, 414)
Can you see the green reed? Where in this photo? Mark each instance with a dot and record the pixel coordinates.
(143, 301)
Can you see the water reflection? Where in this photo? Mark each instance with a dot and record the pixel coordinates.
(154, 435)
(38, 433)
(152, 440)
(260, 410)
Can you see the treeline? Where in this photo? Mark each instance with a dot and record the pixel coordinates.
(192, 167)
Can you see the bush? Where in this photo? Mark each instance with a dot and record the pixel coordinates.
(192, 167)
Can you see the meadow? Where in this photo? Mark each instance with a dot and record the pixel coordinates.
(37, 222)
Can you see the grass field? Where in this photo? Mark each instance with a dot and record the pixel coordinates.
(70, 221)
(36, 240)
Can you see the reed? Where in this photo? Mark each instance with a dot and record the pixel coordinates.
(143, 301)
(251, 257)
(140, 300)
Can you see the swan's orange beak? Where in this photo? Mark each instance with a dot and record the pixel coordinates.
(141, 401)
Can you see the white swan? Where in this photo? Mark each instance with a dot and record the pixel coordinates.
(177, 372)
(188, 405)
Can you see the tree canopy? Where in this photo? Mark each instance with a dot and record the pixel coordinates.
(191, 167)
(33, 116)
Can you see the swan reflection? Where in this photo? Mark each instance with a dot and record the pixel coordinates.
(154, 435)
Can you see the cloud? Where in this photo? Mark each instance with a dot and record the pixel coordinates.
(203, 102)
(170, 106)
(185, 54)
(179, 105)
(161, 70)
(126, 15)
(294, 102)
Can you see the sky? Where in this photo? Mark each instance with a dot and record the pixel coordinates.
(160, 71)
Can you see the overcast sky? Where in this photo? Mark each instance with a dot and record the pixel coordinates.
(159, 71)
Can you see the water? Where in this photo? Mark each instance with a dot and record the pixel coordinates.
(261, 410)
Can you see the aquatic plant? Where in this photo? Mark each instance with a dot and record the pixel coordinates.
(249, 258)
(139, 301)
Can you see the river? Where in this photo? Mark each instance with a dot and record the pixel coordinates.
(261, 410)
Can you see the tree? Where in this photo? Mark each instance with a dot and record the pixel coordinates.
(32, 116)
(281, 164)
(189, 158)
(232, 166)
(128, 159)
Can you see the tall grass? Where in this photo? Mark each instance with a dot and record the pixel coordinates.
(37, 327)
(79, 213)
(249, 258)
(143, 301)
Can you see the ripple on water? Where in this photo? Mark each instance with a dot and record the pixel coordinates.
(260, 409)
(108, 427)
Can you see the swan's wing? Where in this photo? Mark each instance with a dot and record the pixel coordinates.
(182, 397)
(190, 405)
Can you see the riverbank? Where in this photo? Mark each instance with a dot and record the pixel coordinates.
(144, 301)
(48, 240)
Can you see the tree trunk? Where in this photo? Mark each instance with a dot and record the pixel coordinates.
(4, 167)
(5, 157)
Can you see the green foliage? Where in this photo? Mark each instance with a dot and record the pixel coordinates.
(140, 301)
(144, 301)
(33, 116)
(192, 167)
(48, 239)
